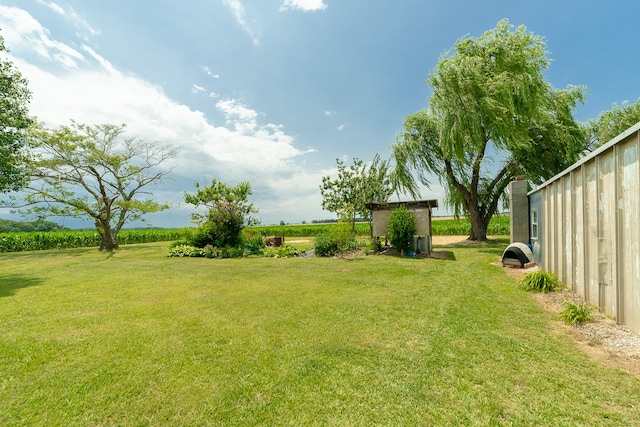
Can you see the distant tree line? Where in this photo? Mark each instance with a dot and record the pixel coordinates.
(10, 226)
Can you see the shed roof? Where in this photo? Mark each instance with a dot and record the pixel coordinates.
(412, 204)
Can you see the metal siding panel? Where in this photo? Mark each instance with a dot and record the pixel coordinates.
(568, 230)
(560, 220)
(548, 222)
(606, 233)
(628, 199)
(591, 250)
(578, 285)
(553, 235)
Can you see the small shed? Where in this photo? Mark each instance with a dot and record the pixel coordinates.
(421, 210)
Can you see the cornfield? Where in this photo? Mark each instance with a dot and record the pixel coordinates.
(33, 241)
(498, 226)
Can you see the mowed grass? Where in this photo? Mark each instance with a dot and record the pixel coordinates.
(140, 339)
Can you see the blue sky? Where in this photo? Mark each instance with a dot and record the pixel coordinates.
(273, 91)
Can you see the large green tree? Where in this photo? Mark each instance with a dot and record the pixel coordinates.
(14, 122)
(355, 187)
(97, 173)
(492, 115)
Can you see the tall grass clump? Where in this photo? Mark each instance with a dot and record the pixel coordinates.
(577, 314)
(540, 281)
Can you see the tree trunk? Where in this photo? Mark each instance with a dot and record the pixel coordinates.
(108, 240)
(478, 226)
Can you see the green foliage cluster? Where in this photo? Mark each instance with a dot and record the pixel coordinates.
(540, 281)
(338, 240)
(227, 212)
(14, 124)
(325, 245)
(283, 251)
(184, 250)
(577, 314)
(17, 242)
(401, 228)
(610, 124)
(356, 186)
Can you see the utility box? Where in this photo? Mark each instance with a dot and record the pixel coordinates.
(422, 245)
(519, 218)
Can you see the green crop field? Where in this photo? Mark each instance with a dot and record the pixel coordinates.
(499, 226)
(41, 240)
(135, 338)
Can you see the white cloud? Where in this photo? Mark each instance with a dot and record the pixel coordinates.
(245, 148)
(340, 127)
(238, 11)
(23, 33)
(197, 88)
(210, 73)
(304, 5)
(80, 23)
(53, 6)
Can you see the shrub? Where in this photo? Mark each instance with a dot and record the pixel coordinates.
(401, 228)
(540, 281)
(577, 314)
(253, 243)
(325, 245)
(218, 234)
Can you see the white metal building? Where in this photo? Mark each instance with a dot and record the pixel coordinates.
(584, 227)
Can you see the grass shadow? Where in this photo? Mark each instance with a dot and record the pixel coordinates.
(444, 255)
(10, 283)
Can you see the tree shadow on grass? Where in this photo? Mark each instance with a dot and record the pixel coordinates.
(445, 255)
(10, 283)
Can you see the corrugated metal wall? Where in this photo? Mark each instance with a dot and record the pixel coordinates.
(588, 227)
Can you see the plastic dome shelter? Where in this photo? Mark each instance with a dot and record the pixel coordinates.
(517, 254)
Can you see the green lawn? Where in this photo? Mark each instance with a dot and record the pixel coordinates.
(136, 338)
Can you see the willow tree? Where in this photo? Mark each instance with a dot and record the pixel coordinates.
(97, 173)
(611, 123)
(492, 115)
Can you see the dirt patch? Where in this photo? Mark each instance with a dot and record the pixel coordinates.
(456, 240)
(601, 339)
